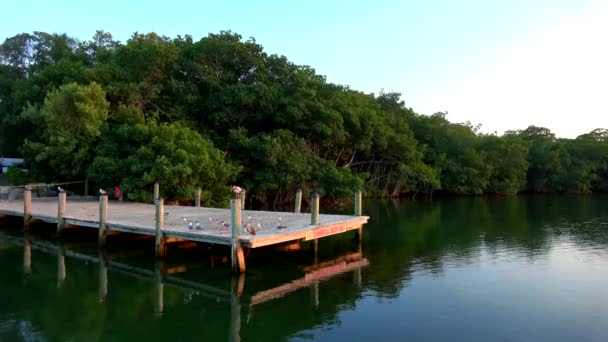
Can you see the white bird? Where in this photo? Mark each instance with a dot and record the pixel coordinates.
(60, 189)
(27, 187)
(210, 219)
(197, 226)
(102, 192)
(236, 189)
(249, 217)
(190, 225)
(259, 226)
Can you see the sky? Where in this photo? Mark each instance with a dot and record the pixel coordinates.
(502, 64)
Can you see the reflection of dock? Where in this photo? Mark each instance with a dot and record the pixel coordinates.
(233, 227)
(165, 276)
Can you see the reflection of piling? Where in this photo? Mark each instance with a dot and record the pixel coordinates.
(61, 212)
(103, 277)
(159, 287)
(61, 274)
(314, 294)
(27, 208)
(235, 308)
(27, 256)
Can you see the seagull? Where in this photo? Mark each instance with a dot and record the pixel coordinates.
(210, 219)
(60, 189)
(259, 226)
(249, 217)
(27, 187)
(190, 225)
(102, 192)
(281, 227)
(250, 229)
(197, 226)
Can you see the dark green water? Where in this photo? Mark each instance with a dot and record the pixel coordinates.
(515, 269)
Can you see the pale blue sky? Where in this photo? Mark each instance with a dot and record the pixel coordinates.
(504, 64)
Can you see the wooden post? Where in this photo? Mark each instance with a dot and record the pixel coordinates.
(103, 218)
(103, 277)
(27, 208)
(314, 294)
(298, 203)
(238, 257)
(61, 212)
(61, 275)
(314, 209)
(197, 199)
(86, 187)
(358, 202)
(160, 224)
(243, 196)
(156, 192)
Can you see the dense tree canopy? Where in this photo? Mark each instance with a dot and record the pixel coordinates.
(219, 110)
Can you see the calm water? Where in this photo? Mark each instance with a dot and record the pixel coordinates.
(516, 269)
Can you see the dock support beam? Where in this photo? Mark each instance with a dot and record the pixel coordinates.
(298, 203)
(103, 217)
(61, 212)
(156, 192)
(27, 208)
(238, 257)
(314, 209)
(197, 198)
(160, 224)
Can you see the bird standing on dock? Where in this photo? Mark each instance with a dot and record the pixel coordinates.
(190, 226)
(250, 229)
(60, 189)
(102, 192)
(197, 225)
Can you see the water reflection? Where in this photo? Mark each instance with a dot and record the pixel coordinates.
(425, 268)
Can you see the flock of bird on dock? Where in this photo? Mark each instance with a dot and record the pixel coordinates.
(222, 225)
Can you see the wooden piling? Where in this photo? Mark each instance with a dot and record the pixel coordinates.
(358, 202)
(238, 257)
(86, 187)
(243, 196)
(160, 223)
(27, 208)
(156, 192)
(61, 212)
(103, 217)
(314, 209)
(197, 199)
(298, 203)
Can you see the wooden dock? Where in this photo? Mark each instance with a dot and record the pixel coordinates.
(209, 225)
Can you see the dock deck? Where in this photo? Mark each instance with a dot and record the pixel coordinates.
(139, 218)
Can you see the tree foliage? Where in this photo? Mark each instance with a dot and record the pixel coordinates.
(219, 110)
